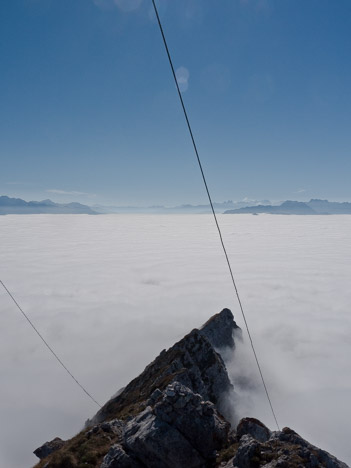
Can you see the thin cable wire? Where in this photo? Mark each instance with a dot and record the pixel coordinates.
(48, 346)
(212, 208)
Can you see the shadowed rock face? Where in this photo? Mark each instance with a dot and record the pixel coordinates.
(219, 330)
(169, 417)
(48, 448)
(192, 361)
(282, 449)
(180, 430)
(254, 428)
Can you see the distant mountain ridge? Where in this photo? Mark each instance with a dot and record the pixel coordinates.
(313, 207)
(10, 205)
(18, 206)
(180, 209)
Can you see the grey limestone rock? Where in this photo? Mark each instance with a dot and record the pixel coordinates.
(282, 449)
(220, 328)
(307, 451)
(116, 457)
(157, 443)
(115, 426)
(49, 447)
(253, 427)
(181, 430)
(192, 361)
(247, 452)
(200, 368)
(196, 419)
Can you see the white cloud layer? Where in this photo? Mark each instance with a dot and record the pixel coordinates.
(69, 192)
(110, 292)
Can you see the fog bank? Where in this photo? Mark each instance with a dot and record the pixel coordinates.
(110, 292)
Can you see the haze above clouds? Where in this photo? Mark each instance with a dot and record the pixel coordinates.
(110, 292)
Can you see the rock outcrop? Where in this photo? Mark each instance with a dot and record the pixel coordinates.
(49, 447)
(193, 362)
(171, 416)
(180, 430)
(279, 449)
(220, 330)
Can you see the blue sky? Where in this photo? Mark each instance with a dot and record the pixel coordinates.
(89, 111)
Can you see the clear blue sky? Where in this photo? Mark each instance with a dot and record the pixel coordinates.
(88, 105)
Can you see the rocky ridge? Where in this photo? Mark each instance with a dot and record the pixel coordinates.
(172, 416)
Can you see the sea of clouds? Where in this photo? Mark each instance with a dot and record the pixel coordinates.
(110, 292)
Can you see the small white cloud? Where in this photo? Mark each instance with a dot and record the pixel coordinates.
(301, 190)
(67, 192)
(182, 75)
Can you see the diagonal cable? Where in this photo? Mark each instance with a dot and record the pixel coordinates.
(48, 346)
(213, 210)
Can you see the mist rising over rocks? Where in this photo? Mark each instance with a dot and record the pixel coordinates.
(172, 416)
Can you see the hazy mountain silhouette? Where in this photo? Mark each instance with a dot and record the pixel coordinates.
(18, 206)
(188, 208)
(313, 207)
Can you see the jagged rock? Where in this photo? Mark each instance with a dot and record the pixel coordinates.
(169, 417)
(283, 449)
(291, 438)
(116, 457)
(199, 367)
(254, 428)
(247, 455)
(48, 448)
(192, 361)
(156, 394)
(196, 419)
(220, 329)
(181, 430)
(113, 427)
(159, 444)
